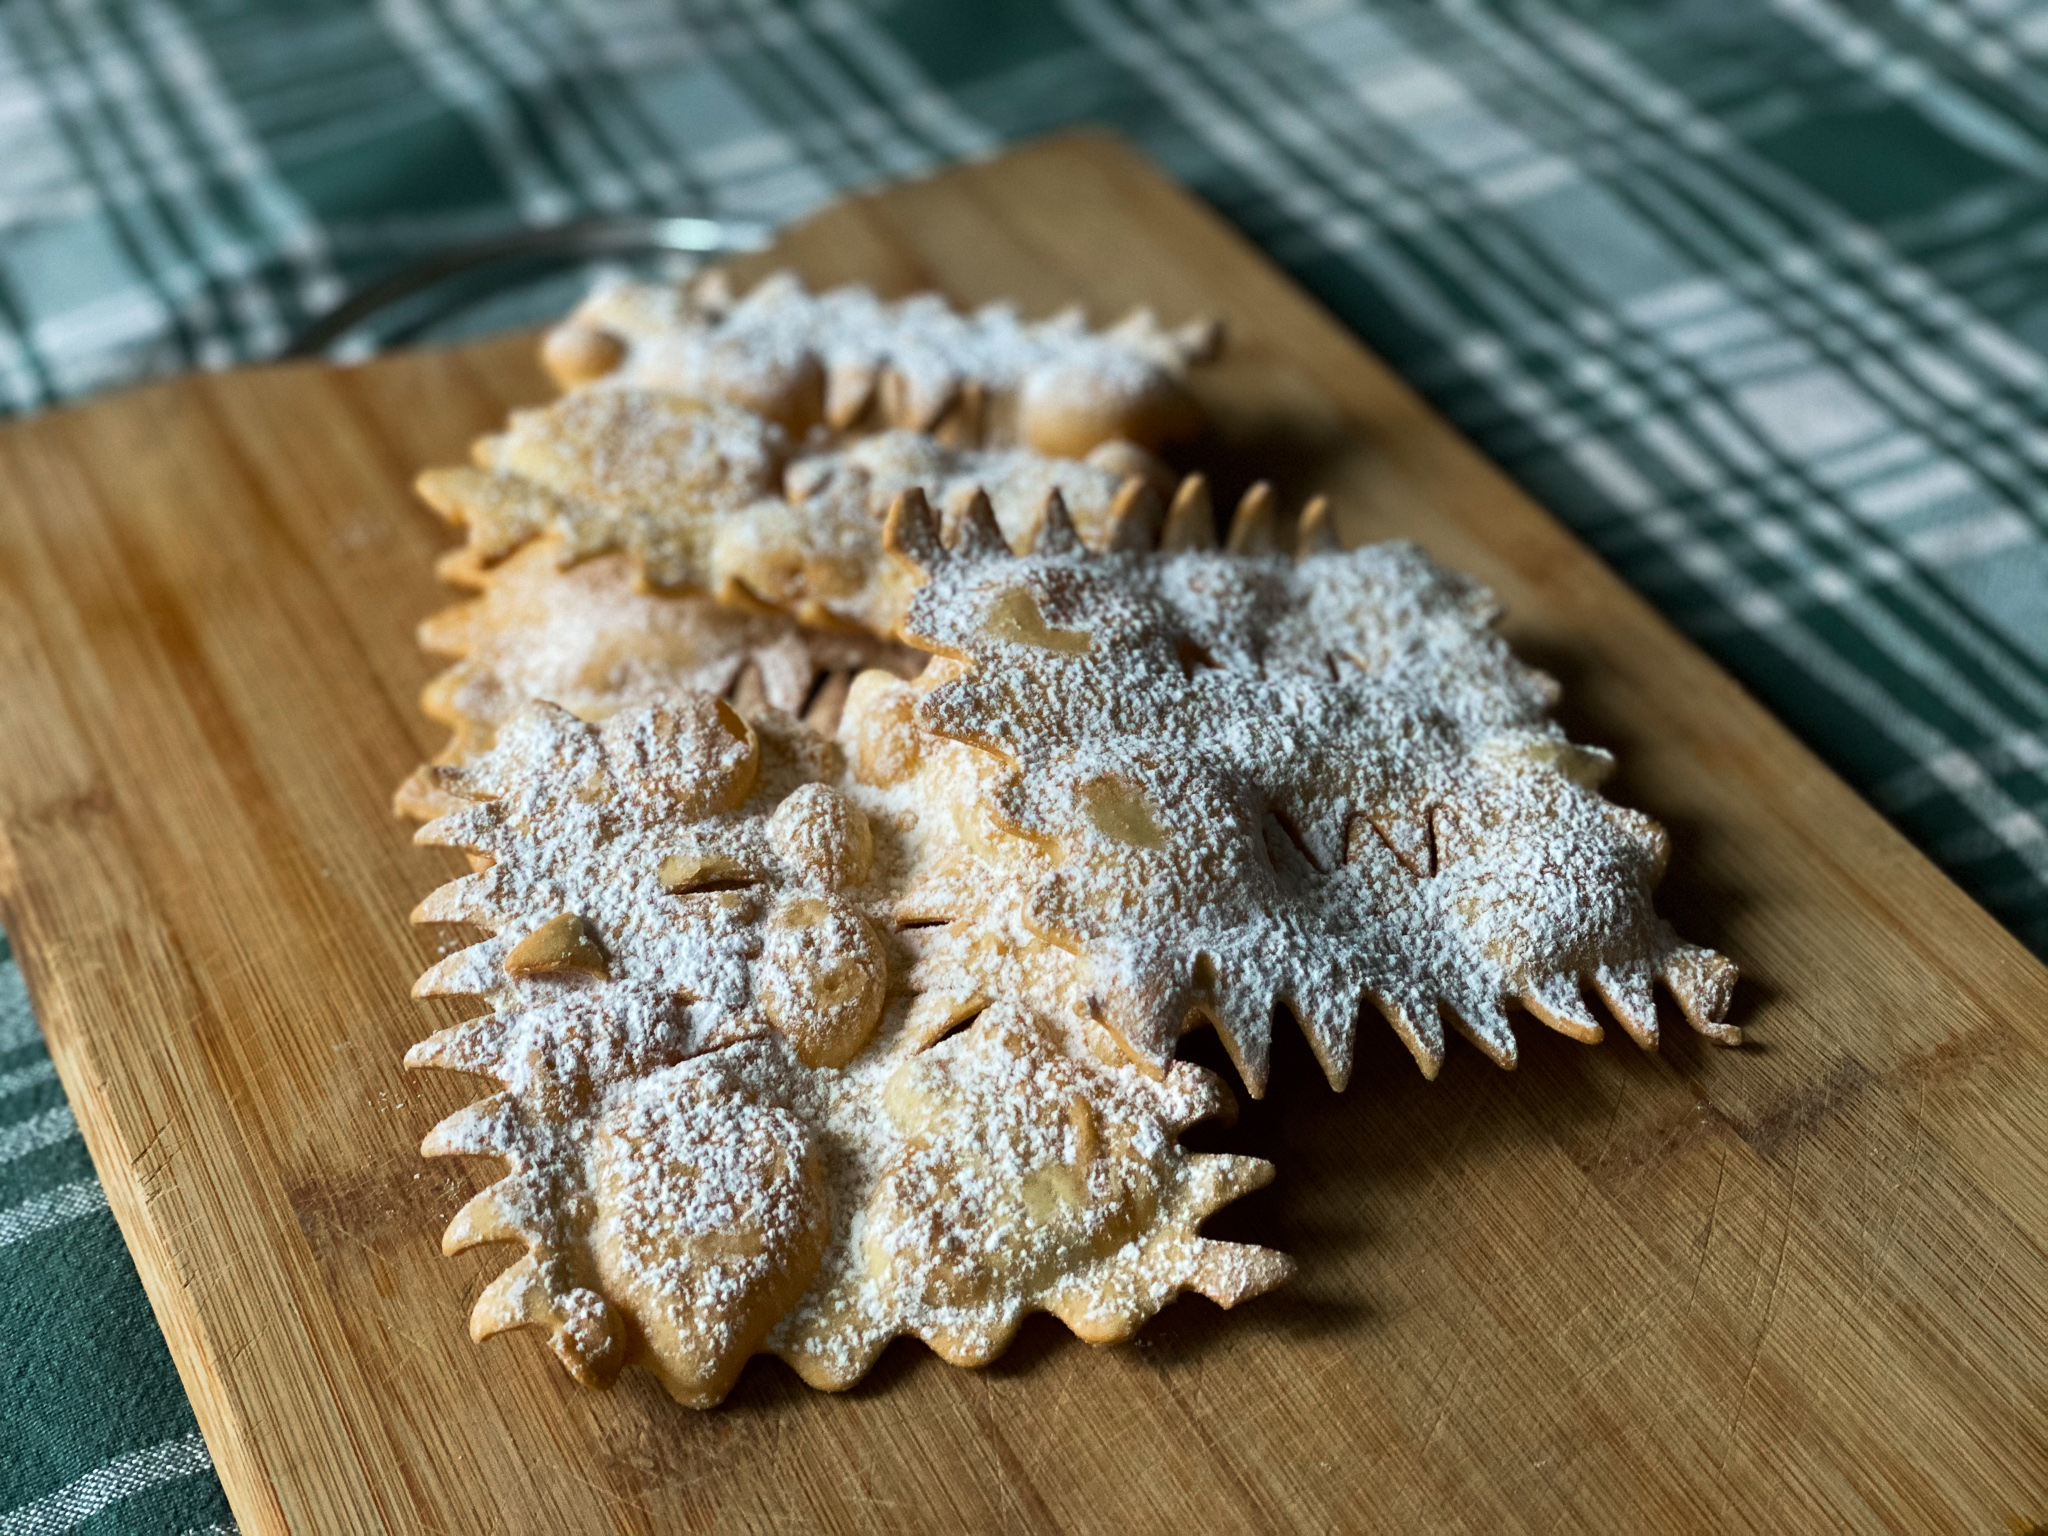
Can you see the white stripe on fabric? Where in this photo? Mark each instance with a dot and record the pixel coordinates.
(905, 85)
(288, 223)
(37, 1132)
(104, 1487)
(196, 258)
(1864, 50)
(748, 165)
(35, 1073)
(568, 54)
(516, 66)
(137, 188)
(17, 1021)
(52, 1208)
(1941, 773)
(412, 24)
(847, 118)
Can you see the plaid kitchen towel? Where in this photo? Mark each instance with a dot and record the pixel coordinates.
(1751, 292)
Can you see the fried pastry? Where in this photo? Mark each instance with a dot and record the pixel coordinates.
(590, 639)
(852, 361)
(721, 1137)
(1249, 779)
(915, 993)
(812, 1034)
(709, 498)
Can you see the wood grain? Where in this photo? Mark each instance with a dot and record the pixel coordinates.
(1798, 1286)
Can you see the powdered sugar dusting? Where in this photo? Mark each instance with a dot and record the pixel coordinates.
(591, 640)
(804, 1042)
(694, 1161)
(706, 498)
(1229, 804)
(851, 359)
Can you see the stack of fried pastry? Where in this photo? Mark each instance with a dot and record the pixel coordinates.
(871, 766)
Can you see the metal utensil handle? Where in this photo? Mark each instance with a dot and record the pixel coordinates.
(610, 235)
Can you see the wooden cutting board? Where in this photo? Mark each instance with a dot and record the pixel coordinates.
(1797, 1286)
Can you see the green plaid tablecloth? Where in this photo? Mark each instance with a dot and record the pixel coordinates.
(1754, 293)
